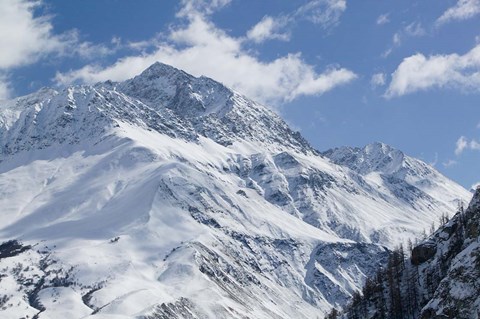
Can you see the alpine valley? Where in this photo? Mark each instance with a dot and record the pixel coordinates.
(171, 196)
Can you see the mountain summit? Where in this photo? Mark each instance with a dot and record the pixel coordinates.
(188, 96)
(172, 196)
(214, 110)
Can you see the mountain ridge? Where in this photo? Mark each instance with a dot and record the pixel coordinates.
(438, 278)
(233, 203)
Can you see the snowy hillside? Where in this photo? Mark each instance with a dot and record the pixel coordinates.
(440, 279)
(170, 196)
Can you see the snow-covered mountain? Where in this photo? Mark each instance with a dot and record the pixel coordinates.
(170, 196)
(440, 279)
(394, 173)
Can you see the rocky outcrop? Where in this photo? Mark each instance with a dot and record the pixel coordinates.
(441, 279)
(423, 253)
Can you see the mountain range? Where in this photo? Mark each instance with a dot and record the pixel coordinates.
(172, 196)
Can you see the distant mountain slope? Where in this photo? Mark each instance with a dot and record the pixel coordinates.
(170, 196)
(397, 175)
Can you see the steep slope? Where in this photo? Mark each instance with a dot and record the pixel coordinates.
(439, 280)
(215, 111)
(170, 196)
(396, 175)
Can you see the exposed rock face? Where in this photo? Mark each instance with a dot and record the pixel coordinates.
(441, 279)
(458, 294)
(423, 253)
(211, 108)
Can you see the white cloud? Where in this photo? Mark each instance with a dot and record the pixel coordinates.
(396, 39)
(418, 72)
(269, 28)
(396, 42)
(387, 52)
(204, 7)
(24, 38)
(463, 144)
(378, 79)
(449, 163)
(86, 50)
(464, 9)
(313, 83)
(435, 161)
(415, 29)
(474, 145)
(383, 19)
(200, 48)
(4, 88)
(325, 13)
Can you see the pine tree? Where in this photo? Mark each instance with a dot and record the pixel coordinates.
(333, 314)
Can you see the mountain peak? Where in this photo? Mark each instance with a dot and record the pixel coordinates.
(159, 69)
(162, 85)
(379, 147)
(162, 98)
(214, 110)
(376, 156)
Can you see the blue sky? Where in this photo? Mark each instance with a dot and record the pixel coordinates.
(342, 72)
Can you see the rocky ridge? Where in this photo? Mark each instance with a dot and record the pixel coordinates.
(173, 196)
(440, 279)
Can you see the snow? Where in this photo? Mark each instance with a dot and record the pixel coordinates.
(174, 190)
(60, 302)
